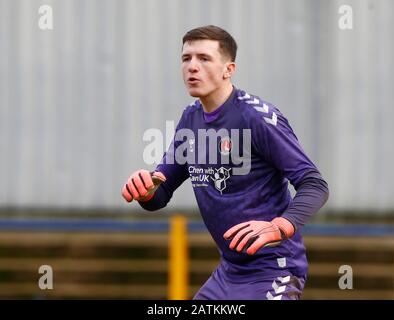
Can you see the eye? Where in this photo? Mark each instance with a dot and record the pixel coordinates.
(184, 59)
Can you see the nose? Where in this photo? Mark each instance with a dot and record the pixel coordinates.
(193, 66)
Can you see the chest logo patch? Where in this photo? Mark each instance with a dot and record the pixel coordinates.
(220, 177)
(225, 146)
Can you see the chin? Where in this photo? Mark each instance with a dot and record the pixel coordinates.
(195, 93)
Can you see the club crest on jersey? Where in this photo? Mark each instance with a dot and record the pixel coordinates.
(225, 146)
(220, 177)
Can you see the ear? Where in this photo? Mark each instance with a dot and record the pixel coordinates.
(229, 70)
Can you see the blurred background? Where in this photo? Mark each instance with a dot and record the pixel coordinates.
(76, 100)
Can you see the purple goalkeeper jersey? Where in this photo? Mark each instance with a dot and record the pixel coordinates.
(240, 161)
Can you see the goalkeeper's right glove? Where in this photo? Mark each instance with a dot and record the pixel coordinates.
(142, 185)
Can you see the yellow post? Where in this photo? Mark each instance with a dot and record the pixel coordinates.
(178, 259)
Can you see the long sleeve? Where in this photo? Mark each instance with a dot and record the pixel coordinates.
(276, 142)
(174, 172)
(312, 193)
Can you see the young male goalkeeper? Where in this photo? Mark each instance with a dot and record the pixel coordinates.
(249, 213)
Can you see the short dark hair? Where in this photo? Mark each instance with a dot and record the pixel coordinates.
(227, 44)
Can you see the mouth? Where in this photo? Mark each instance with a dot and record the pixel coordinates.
(193, 80)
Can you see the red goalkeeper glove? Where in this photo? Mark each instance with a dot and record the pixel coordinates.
(142, 185)
(253, 235)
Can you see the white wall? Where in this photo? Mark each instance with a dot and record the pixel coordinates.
(75, 101)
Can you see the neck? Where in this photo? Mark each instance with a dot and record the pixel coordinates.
(215, 99)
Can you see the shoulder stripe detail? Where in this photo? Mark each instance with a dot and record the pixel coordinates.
(263, 109)
(273, 120)
(244, 97)
(254, 101)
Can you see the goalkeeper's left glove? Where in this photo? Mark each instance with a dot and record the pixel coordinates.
(253, 235)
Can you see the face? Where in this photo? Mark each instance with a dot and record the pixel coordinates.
(205, 70)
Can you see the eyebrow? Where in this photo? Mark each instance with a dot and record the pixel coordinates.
(197, 54)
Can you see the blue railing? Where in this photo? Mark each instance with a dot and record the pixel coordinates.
(105, 225)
